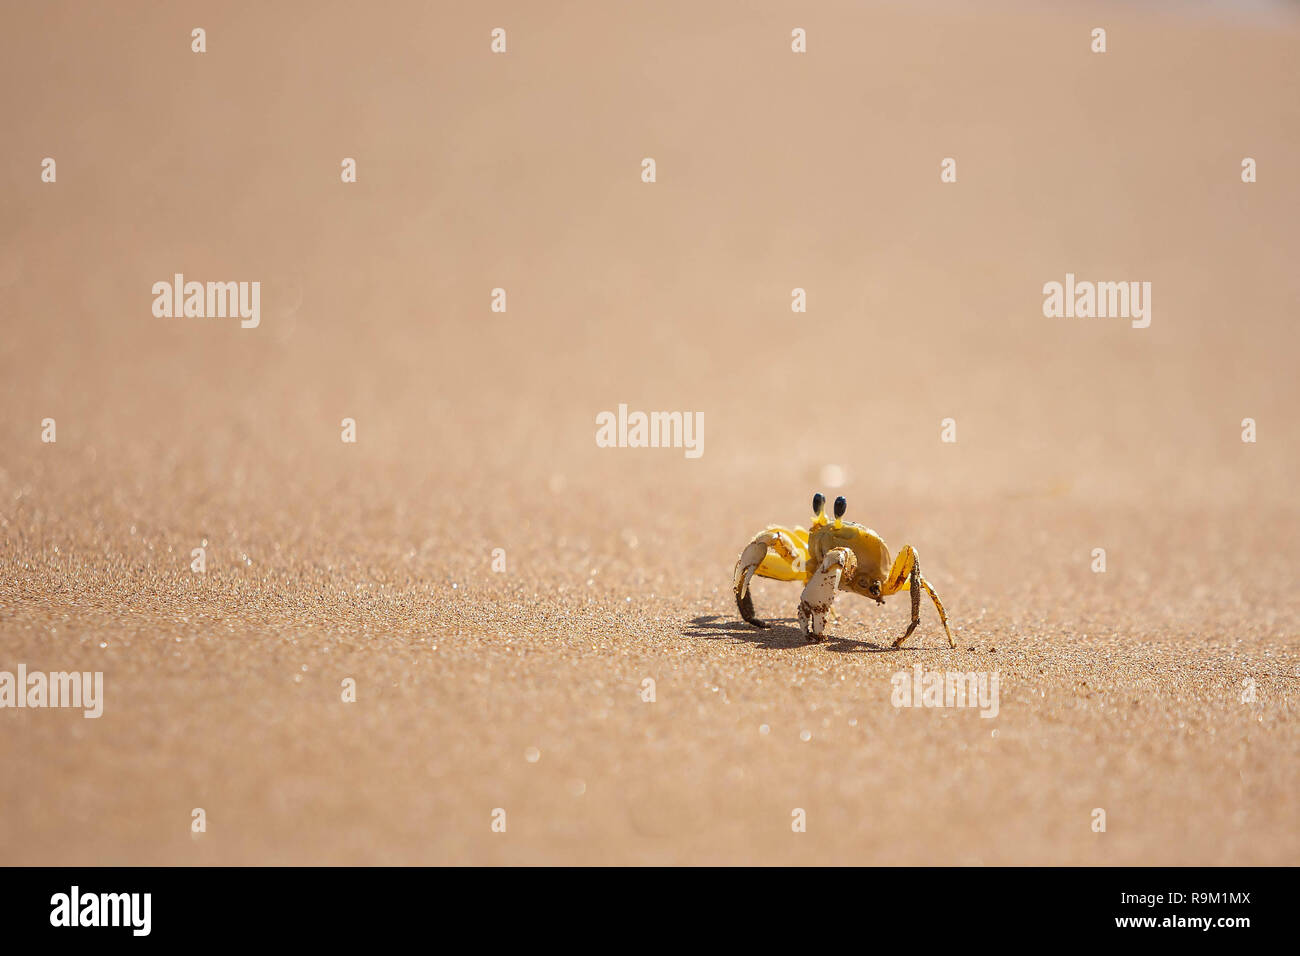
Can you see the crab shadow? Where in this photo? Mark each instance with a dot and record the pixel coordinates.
(782, 633)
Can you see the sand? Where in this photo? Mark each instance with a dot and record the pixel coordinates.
(523, 690)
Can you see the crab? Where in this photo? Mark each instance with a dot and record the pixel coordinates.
(830, 556)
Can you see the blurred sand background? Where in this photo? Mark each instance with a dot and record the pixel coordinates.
(476, 430)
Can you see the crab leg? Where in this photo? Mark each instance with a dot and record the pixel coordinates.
(773, 553)
(914, 586)
(906, 575)
(819, 594)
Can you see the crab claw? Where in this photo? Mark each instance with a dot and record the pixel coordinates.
(774, 553)
(749, 561)
(819, 594)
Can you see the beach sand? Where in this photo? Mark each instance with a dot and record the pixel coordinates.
(1127, 691)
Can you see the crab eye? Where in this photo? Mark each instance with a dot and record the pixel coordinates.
(841, 506)
(819, 502)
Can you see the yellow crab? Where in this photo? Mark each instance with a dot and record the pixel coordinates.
(832, 555)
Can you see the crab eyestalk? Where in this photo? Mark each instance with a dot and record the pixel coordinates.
(841, 506)
(819, 509)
